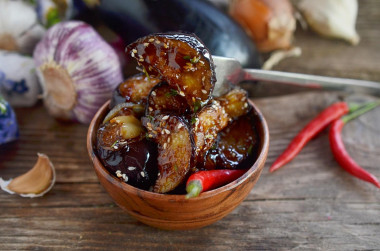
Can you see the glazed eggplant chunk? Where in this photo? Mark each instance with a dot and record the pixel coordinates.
(175, 150)
(235, 103)
(205, 127)
(164, 99)
(124, 150)
(236, 144)
(181, 60)
(134, 89)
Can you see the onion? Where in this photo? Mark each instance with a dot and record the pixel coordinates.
(270, 23)
(77, 69)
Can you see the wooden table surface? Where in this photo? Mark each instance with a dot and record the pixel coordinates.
(311, 203)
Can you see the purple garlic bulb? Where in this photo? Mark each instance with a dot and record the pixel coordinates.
(77, 69)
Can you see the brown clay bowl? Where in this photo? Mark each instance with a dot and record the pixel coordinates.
(175, 212)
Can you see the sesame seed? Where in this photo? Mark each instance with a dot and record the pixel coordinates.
(153, 93)
(124, 175)
(203, 78)
(126, 178)
(204, 91)
(168, 140)
(131, 168)
(165, 117)
(195, 92)
(245, 105)
(157, 41)
(146, 44)
(141, 60)
(150, 108)
(164, 146)
(182, 93)
(158, 174)
(151, 40)
(132, 54)
(179, 126)
(134, 51)
(142, 174)
(167, 131)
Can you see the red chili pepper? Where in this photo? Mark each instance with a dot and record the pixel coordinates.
(206, 180)
(339, 150)
(315, 126)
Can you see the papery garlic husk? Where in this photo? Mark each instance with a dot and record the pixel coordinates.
(8, 124)
(332, 18)
(35, 183)
(78, 70)
(18, 80)
(271, 23)
(19, 27)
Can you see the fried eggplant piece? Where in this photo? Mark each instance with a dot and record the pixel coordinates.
(134, 89)
(175, 150)
(211, 119)
(164, 99)
(235, 103)
(124, 150)
(181, 60)
(236, 146)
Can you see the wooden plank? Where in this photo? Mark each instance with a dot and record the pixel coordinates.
(311, 203)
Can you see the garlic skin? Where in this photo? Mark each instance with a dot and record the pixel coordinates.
(19, 27)
(77, 69)
(18, 81)
(332, 18)
(35, 183)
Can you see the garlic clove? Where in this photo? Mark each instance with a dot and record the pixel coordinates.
(35, 183)
(332, 18)
(18, 82)
(19, 27)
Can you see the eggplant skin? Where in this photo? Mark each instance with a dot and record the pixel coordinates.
(132, 19)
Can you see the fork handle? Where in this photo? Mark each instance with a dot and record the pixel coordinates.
(314, 81)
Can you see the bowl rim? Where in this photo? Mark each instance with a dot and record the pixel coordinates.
(178, 197)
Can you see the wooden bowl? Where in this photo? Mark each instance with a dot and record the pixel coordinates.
(175, 212)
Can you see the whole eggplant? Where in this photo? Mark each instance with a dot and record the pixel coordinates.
(132, 19)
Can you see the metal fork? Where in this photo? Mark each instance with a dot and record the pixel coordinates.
(230, 70)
